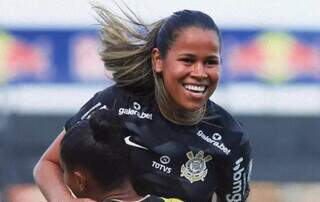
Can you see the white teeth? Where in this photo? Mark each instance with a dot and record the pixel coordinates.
(195, 88)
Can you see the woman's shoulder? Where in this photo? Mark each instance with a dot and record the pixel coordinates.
(233, 131)
(233, 128)
(226, 120)
(105, 98)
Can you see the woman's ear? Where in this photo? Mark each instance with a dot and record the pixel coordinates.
(77, 182)
(81, 180)
(156, 60)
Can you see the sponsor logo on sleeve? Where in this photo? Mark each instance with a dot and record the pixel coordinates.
(238, 184)
(135, 111)
(249, 171)
(215, 140)
(195, 169)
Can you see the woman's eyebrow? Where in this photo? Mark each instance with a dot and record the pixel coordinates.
(190, 55)
(186, 55)
(213, 57)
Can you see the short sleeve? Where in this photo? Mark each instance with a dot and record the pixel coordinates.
(103, 99)
(84, 112)
(234, 174)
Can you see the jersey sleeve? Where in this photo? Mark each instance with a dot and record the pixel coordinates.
(234, 174)
(85, 110)
(103, 99)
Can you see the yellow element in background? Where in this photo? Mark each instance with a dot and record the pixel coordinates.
(276, 49)
(5, 44)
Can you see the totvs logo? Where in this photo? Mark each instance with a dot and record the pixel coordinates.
(162, 166)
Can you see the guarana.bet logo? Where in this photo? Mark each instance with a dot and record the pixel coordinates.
(195, 168)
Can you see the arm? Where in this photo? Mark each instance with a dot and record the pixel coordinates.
(235, 175)
(48, 175)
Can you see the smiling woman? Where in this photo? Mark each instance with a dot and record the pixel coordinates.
(181, 144)
(191, 68)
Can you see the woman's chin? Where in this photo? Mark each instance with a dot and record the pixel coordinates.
(192, 107)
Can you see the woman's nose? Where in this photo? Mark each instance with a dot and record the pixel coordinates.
(199, 71)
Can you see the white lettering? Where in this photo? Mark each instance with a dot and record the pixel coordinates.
(237, 185)
(133, 112)
(237, 175)
(214, 141)
(161, 167)
(234, 198)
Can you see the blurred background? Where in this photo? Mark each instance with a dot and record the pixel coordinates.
(49, 68)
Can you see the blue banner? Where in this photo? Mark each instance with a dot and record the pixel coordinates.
(71, 56)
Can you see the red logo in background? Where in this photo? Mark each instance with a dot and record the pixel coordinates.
(29, 59)
(275, 58)
(24, 59)
(305, 59)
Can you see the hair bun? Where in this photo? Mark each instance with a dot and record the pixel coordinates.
(106, 127)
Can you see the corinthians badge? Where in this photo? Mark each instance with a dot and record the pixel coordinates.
(195, 168)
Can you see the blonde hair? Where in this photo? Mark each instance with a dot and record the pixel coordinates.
(127, 45)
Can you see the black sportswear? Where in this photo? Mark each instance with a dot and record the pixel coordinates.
(171, 160)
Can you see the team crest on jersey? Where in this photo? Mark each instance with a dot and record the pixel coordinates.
(195, 168)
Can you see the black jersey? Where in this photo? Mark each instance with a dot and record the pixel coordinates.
(149, 198)
(171, 160)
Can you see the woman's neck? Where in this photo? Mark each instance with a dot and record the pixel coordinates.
(171, 111)
(176, 115)
(182, 117)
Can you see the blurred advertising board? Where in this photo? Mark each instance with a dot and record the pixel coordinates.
(49, 56)
(271, 57)
(69, 56)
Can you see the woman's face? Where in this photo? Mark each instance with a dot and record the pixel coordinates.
(191, 68)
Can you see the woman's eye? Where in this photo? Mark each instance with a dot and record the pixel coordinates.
(187, 61)
(212, 62)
